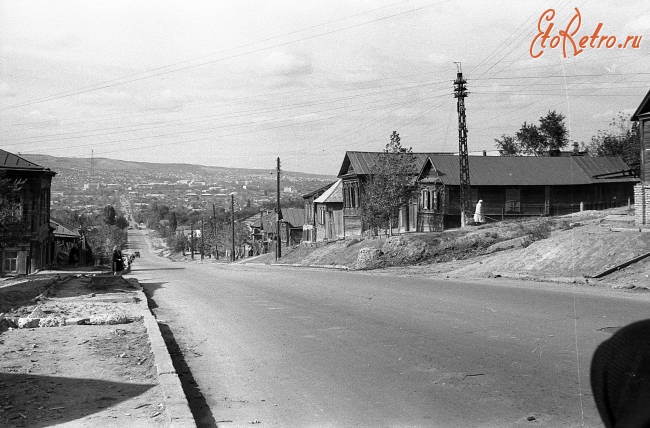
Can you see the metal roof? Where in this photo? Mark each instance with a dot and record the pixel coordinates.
(510, 170)
(643, 108)
(12, 161)
(63, 231)
(294, 216)
(318, 191)
(333, 194)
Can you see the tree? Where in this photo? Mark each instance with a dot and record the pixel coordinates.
(390, 186)
(109, 215)
(554, 131)
(548, 137)
(121, 222)
(620, 139)
(507, 145)
(11, 210)
(173, 223)
(531, 140)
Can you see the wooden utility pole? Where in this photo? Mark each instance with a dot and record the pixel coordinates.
(232, 223)
(460, 92)
(278, 252)
(214, 231)
(192, 239)
(202, 240)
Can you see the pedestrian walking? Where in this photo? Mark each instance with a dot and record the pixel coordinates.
(118, 262)
(478, 213)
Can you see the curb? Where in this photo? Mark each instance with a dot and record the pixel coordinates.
(178, 409)
(334, 267)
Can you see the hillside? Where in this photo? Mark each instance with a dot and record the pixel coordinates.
(568, 248)
(55, 162)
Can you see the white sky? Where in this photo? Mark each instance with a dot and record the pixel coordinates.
(237, 83)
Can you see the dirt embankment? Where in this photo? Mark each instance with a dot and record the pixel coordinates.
(568, 248)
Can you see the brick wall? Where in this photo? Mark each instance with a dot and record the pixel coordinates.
(642, 204)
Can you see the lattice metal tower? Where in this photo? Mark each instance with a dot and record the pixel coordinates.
(460, 92)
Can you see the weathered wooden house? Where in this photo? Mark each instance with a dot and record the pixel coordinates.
(309, 224)
(508, 186)
(67, 242)
(291, 225)
(642, 190)
(328, 209)
(26, 239)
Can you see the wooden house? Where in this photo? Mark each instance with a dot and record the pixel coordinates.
(328, 209)
(642, 190)
(508, 186)
(309, 224)
(26, 239)
(291, 225)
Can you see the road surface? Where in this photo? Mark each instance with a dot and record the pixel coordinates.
(291, 347)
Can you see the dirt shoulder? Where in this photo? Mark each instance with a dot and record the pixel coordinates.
(572, 248)
(83, 358)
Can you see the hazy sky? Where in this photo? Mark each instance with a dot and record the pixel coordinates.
(237, 83)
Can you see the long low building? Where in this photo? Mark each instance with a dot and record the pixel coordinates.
(507, 185)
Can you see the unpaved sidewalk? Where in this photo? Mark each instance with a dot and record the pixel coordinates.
(97, 373)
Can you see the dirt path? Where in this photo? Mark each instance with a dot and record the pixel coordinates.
(78, 375)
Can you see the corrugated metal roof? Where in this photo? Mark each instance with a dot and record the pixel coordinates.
(294, 216)
(10, 160)
(318, 191)
(363, 163)
(63, 231)
(509, 170)
(333, 194)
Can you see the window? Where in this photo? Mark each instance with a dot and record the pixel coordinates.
(10, 264)
(321, 214)
(351, 195)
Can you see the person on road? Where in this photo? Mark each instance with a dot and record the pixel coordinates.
(118, 262)
(478, 213)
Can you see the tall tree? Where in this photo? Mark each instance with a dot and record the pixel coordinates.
(620, 139)
(173, 223)
(554, 131)
(109, 215)
(390, 186)
(531, 140)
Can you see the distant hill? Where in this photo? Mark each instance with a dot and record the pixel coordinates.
(54, 163)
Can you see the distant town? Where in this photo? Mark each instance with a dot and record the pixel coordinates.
(86, 186)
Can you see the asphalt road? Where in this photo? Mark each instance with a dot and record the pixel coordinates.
(295, 347)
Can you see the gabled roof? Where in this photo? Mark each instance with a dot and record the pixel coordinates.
(509, 170)
(63, 231)
(363, 163)
(10, 161)
(294, 216)
(333, 194)
(318, 192)
(643, 108)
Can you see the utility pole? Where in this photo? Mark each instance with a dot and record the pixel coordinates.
(278, 252)
(460, 92)
(232, 223)
(202, 241)
(214, 232)
(192, 239)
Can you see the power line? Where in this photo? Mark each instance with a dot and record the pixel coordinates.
(204, 63)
